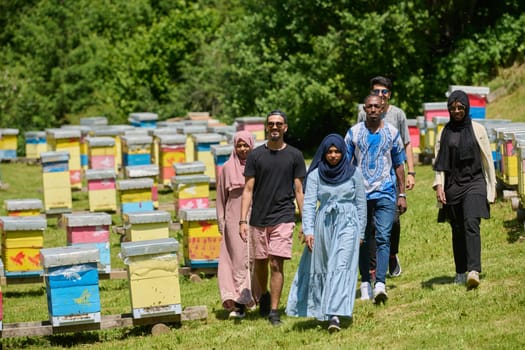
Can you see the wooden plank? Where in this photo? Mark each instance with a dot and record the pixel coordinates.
(44, 328)
(114, 274)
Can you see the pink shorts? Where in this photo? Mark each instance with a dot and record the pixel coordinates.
(273, 240)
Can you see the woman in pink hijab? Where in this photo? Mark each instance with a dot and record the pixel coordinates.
(234, 258)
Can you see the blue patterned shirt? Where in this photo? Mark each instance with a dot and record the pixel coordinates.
(377, 155)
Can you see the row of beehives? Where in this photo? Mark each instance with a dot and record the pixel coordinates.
(507, 141)
(71, 273)
(95, 144)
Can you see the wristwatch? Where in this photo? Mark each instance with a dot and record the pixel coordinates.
(413, 173)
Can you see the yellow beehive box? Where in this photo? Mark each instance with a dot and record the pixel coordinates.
(22, 239)
(135, 195)
(191, 186)
(153, 274)
(23, 207)
(203, 143)
(56, 180)
(189, 130)
(21, 259)
(8, 143)
(57, 198)
(201, 237)
(147, 225)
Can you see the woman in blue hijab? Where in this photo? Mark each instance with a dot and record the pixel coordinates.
(334, 221)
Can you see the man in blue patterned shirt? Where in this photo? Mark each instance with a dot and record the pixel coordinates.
(377, 149)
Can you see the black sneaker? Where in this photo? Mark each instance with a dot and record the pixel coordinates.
(264, 304)
(274, 318)
(333, 325)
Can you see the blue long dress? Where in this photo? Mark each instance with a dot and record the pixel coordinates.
(326, 279)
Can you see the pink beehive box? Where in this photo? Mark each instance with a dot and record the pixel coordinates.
(87, 227)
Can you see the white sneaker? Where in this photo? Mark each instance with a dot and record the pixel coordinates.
(380, 295)
(235, 314)
(366, 291)
(473, 279)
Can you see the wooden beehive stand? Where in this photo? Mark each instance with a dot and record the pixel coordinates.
(43, 328)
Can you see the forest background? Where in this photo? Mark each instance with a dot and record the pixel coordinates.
(62, 60)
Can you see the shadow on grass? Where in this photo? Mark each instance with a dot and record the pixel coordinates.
(310, 323)
(73, 339)
(86, 338)
(429, 284)
(39, 291)
(514, 230)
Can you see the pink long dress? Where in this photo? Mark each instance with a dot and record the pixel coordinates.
(234, 272)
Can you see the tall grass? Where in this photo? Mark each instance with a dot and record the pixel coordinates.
(425, 309)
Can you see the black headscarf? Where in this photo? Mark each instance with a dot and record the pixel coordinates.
(468, 147)
(332, 174)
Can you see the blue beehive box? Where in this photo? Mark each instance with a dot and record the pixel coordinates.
(143, 119)
(71, 278)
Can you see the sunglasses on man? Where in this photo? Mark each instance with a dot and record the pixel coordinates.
(380, 91)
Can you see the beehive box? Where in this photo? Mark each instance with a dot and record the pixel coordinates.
(201, 237)
(23, 207)
(253, 124)
(56, 182)
(22, 239)
(146, 225)
(90, 228)
(84, 133)
(71, 278)
(189, 131)
(101, 152)
(172, 150)
(136, 150)
(35, 144)
(116, 132)
(203, 143)
(191, 192)
(221, 153)
(8, 143)
(150, 171)
(135, 195)
(94, 121)
(153, 275)
(102, 191)
(67, 140)
(143, 119)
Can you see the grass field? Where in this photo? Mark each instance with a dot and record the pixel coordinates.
(425, 309)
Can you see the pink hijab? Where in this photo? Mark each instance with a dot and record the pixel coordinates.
(234, 173)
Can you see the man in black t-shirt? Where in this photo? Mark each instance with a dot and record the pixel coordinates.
(274, 178)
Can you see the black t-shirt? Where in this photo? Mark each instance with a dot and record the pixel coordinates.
(273, 192)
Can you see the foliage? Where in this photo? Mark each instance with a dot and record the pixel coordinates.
(67, 59)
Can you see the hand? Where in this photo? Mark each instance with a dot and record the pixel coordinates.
(243, 231)
(411, 182)
(402, 205)
(309, 241)
(440, 195)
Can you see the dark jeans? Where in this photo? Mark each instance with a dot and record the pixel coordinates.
(466, 240)
(395, 235)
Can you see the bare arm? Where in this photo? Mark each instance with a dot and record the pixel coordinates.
(401, 200)
(299, 195)
(246, 202)
(411, 179)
